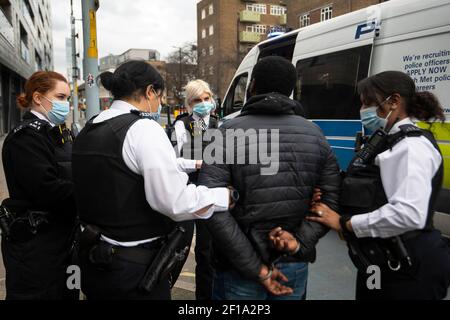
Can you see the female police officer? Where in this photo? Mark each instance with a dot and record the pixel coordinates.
(388, 195)
(36, 160)
(189, 127)
(130, 190)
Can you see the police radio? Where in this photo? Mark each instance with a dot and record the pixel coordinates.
(373, 146)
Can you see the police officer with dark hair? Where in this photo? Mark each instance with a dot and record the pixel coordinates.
(38, 220)
(389, 194)
(130, 191)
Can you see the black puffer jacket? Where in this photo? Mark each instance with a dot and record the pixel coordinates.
(306, 161)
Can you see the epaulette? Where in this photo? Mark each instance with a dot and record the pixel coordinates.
(407, 130)
(143, 115)
(181, 116)
(411, 131)
(36, 125)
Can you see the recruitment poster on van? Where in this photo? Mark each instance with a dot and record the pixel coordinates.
(431, 72)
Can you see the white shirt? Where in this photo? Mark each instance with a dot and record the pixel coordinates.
(406, 173)
(186, 165)
(42, 117)
(148, 152)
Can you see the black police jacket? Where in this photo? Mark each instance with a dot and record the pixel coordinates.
(269, 201)
(37, 165)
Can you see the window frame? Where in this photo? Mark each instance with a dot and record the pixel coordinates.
(364, 54)
(276, 10)
(229, 101)
(305, 17)
(326, 13)
(257, 7)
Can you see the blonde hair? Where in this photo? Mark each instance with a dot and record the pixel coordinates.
(195, 89)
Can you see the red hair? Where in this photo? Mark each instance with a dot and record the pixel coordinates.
(42, 82)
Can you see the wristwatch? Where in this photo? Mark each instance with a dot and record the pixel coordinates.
(234, 194)
(343, 222)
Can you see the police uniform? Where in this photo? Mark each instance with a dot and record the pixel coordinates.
(129, 187)
(390, 200)
(188, 128)
(37, 165)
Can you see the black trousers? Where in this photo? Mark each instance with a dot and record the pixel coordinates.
(204, 271)
(427, 279)
(37, 269)
(119, 281)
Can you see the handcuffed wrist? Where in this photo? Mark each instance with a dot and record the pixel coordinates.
(268, 276)
(293, 253)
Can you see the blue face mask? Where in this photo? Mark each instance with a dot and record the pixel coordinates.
(60, 111)
(203, 108)
(156, 115)
(371, 120)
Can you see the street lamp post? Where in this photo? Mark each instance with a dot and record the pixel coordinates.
(90, 63)
(75, 70)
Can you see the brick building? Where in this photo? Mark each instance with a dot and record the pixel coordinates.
(227, 30)
(305, 12)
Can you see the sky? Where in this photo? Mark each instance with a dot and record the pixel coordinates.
(125, 24)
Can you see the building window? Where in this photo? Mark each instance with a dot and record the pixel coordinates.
(24, 52)
(203, 72)
(326, 13)
(203, 33)
(211, 71)
(277, 10)
(211, 9)
(211, 50)
(204, 52)
(203, 14)
(257, 28)
(257, 7)
(211, 30)
(305, 20)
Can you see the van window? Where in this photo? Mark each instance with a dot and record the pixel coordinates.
(236, 96)
(327, 84)
(283, 47)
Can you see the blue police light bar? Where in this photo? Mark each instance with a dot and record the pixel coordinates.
(275, 34)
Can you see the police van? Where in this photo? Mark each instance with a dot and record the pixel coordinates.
(331, 57)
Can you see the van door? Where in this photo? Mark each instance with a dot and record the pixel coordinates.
(234, 101)
(327, 89)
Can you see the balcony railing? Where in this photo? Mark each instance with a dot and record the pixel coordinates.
(249, 37)
(250, 16)
(6, 28)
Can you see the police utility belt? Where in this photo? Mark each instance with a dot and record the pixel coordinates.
(362, 192)
(19, 223)
(161, 255)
